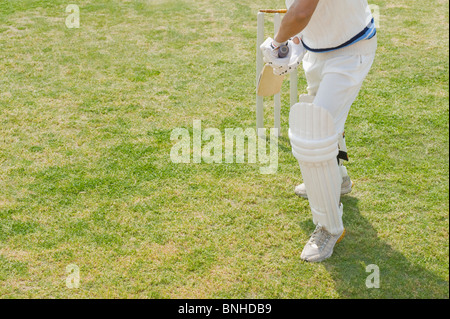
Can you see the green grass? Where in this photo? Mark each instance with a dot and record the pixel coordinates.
(86, 179)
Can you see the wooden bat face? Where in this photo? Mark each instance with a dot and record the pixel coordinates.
(268, 83)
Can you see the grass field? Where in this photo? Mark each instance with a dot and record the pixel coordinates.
(86, 178)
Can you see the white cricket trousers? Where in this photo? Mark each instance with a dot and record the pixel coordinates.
(335, 79)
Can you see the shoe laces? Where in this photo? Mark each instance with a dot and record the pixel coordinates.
(320, 236)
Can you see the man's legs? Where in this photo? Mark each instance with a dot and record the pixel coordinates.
(334, 84)
(315, 131)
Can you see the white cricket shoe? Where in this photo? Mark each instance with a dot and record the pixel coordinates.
(320, 245)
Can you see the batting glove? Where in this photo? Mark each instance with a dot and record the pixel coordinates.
(296, 54)
(270, 54)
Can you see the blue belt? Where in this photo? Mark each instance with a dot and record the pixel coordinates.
(366, 34)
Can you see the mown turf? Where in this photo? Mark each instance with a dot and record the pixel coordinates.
(86, 177)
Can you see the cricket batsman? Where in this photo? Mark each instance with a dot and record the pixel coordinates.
(336, 41)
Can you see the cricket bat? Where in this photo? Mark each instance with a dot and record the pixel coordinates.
(269, 83)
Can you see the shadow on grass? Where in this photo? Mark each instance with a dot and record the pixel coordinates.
(284, 144)
(361, 247)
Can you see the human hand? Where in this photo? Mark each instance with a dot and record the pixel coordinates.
(270, 50)
(297, 52)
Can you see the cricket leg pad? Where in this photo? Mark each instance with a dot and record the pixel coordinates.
(343, 154)
(314, 142)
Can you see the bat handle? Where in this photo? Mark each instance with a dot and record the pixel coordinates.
(283, 51)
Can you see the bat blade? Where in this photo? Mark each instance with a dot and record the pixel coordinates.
(269, 84)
